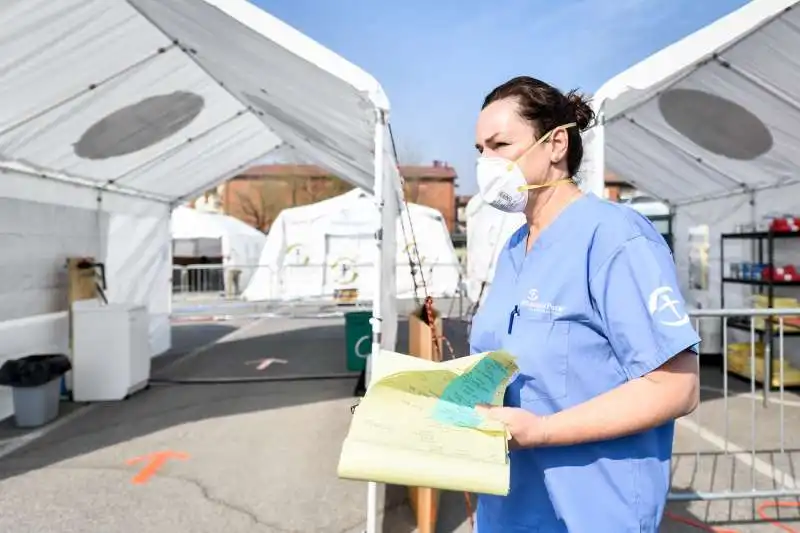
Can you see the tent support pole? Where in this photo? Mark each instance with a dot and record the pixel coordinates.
(80, 183)
(377, 311)
(597, 171)
(98, 220)
(222, 178)
(694, 157)
(728, 194)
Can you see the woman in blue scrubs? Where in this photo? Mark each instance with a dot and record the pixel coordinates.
(585, 296)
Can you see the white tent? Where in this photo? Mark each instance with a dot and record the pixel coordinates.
(316, 249)
(711, 125)
(115, 111)
(197, 233)
(488, 229)
(647, 206)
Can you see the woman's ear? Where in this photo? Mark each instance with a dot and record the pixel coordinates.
(560, 144)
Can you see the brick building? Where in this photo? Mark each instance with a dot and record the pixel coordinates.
(257, 195)
(617, 190)
(433, 186)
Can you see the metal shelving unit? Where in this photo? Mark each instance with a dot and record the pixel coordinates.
(764, 242)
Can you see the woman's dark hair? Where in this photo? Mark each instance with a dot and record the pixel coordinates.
(546, 107)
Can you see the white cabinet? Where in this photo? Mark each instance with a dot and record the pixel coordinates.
(110, 350)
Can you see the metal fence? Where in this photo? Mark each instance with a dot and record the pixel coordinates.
(747, 414)
(302, 289)
(213, 280)
(746, 406)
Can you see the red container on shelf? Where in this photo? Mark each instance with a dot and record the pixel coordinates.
(784, 273)
(784, 224)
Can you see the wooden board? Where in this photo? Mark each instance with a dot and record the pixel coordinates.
(81, 285)
(422, 343)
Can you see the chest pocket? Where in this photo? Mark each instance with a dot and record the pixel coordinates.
(541, 346)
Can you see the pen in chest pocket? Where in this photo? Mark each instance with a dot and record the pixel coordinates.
(514, 313)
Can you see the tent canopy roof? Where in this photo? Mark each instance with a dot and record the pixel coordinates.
(715, 114)
(166, 98)
(188, 223)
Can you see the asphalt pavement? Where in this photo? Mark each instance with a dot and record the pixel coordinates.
(261, 457)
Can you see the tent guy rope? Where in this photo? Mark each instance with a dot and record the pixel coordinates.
(427, 306)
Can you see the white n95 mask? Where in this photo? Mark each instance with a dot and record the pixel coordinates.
(501, 182)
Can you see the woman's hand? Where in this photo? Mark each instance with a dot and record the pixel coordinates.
(667, 393)
(527, 430)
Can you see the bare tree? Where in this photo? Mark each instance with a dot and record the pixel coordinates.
(323, 187)
(411, 190)
(337, 186)
(261, 203)
(261, 200)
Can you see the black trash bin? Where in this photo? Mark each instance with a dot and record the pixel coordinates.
(36, 384)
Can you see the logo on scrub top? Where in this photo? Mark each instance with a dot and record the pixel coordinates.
(532, 302)
(669, 310)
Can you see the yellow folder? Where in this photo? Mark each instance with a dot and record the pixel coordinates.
(417, 426)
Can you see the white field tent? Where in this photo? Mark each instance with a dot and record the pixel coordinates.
(711, 125)
(198, 233)
(116, 111)
(488, 229)
(316, 249)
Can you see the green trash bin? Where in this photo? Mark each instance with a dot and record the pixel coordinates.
(358, 336)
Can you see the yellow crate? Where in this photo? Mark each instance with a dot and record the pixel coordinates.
(739, 363)
(762, 302)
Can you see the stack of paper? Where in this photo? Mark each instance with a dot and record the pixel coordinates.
(417, 425)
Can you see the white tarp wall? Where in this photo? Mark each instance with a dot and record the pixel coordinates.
(488, 230)
(130, 235)
(313, 250)
(116, 110)
(197, 233)
(711, 125)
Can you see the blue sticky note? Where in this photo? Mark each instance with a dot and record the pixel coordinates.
(478, 386)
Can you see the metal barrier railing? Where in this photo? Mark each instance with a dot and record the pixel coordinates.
(762, 330)
(228, 281)
(312, 284)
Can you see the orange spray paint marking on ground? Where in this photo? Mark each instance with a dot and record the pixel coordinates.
(154, 463)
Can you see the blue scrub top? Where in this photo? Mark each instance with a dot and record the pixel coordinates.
(595, 303)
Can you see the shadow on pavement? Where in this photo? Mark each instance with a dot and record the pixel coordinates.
(308, 346)
(163, 406)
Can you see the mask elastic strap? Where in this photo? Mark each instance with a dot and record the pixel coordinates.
(550, 133)
(539, 141)
(524, 188)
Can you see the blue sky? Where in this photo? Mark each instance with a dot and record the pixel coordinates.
(437, 59)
